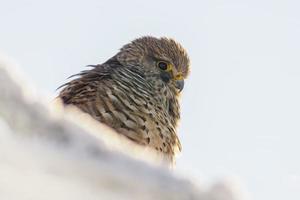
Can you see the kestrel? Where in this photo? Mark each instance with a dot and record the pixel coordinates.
(136, 92)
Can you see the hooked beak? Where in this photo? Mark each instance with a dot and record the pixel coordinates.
(179, 84)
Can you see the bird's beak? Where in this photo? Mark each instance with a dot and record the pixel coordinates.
(179, 84)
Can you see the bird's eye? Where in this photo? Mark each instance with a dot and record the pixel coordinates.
(164, 66)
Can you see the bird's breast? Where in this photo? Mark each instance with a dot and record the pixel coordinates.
(141, 117)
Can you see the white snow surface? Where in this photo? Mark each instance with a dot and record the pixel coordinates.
(46, 154)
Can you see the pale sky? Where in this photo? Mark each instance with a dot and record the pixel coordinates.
(241, 103)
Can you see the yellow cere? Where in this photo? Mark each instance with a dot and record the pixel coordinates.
(179, 76)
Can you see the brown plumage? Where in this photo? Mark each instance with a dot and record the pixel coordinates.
(136, 92)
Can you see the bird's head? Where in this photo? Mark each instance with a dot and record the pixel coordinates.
(161, 60)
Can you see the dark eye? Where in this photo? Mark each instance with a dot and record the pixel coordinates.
(162, 65)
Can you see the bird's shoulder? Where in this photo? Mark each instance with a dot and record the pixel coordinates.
(85, 84)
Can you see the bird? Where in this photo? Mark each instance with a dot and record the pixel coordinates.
(136, 92)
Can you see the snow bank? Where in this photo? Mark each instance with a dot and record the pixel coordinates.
(57, 155)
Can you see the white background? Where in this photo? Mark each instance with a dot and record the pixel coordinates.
(241, 103)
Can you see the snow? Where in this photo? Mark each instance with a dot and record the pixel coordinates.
(47, 152)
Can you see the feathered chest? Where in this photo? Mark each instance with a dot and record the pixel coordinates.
(147, 111)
